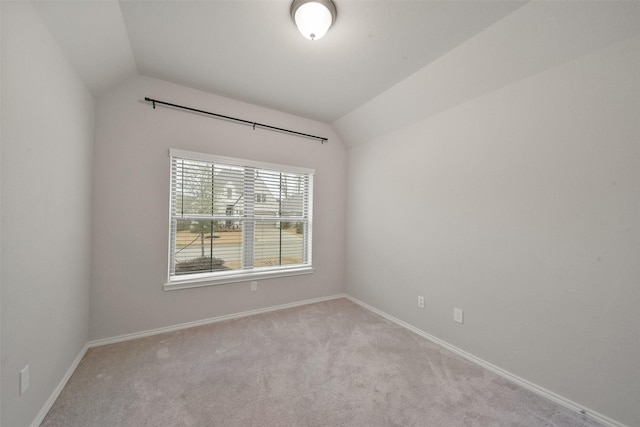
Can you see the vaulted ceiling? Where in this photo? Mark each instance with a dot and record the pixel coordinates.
(251, 50)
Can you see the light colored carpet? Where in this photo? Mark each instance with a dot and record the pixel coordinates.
(326, 364)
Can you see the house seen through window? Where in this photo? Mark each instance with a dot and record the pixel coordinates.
(233, 219)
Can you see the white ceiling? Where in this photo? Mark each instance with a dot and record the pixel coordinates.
(251, 50)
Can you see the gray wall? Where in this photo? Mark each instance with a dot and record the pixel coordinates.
(519, 205)
(502, 179)
(47, 139)
(131, 205)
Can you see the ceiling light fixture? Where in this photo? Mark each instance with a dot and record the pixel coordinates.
(313, 17)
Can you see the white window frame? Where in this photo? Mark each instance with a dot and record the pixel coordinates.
(247, 273)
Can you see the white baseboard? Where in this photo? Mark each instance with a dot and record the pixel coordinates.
(56, 392)
(603, 419)
(150, 332)
(505, 374)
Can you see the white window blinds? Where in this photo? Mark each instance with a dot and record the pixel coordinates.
(233, 217)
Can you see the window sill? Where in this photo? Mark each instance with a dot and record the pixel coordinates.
(234, 278)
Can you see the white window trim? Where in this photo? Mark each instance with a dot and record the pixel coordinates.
(235, 276)
(174, 152)
(243, 276)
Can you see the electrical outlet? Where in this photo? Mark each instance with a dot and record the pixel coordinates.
(254, 286)
(458, 315)
(420, 301)
(24, 379)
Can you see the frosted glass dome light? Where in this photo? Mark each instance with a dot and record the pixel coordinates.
(313, 17)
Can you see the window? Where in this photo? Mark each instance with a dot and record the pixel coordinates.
(263, 231)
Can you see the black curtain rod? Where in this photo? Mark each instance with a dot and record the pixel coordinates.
(247, 122)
